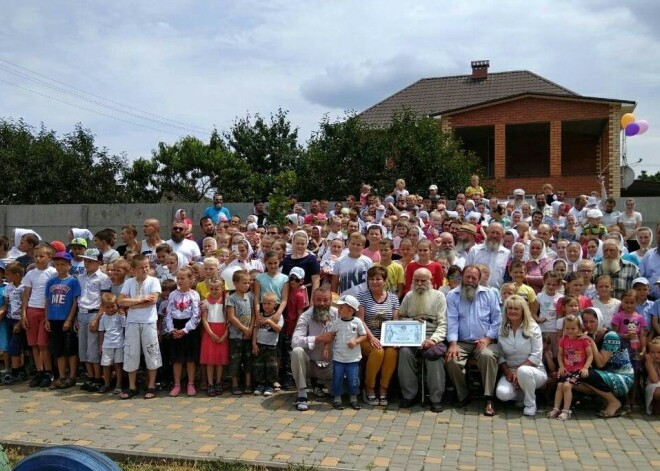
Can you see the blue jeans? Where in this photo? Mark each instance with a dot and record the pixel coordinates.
(351, 371)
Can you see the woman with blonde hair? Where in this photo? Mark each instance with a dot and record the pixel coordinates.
(520, 347)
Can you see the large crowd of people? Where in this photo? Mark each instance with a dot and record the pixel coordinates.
(529, 294)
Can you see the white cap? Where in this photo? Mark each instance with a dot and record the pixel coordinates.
(433, 187)
(592, 201)
(594, 213)
(641, 280)
(298, 273)
(350, 300)
(518, 192)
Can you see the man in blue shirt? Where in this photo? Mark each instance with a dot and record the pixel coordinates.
(473, 322)
(217, 209)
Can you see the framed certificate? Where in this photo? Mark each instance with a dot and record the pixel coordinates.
(402, 333)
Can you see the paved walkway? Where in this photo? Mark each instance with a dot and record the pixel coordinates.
(269, 431)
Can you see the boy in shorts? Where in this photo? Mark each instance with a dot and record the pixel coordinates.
(34, 314)
(92, 283)
(139, 296)
(62, 292)
(111, 340)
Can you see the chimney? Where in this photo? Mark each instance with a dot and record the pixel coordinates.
(480, 70)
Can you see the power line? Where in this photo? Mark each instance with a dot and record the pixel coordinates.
(159, 117)
(87, 109)
(96, 102)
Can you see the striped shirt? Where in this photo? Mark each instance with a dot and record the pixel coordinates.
(377, 313)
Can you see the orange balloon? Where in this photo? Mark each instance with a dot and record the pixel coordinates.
(626, 119)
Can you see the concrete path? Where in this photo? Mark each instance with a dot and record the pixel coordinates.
(270, 431)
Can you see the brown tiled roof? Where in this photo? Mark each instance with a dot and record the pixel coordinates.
(432, 96)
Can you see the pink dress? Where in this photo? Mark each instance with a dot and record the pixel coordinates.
(214, 353)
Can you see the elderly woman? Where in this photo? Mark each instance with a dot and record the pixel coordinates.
(538, 264)
(303, 258)
(520, 347)
(613, 375)
(377, 306)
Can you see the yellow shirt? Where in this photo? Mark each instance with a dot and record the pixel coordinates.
(526, 292)
(470, 190)
(395, 276)
(202, 290)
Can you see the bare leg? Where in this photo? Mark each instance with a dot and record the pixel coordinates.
(96, 368)
(190, 369)
(61, 367)
(106, 375)
(38, 362)
(612, 404)
(46, 358)
(210, 380)
(73, 366)
(176, 369)
(568, 395)
(118, 373)
(132, 380)
(152, 378)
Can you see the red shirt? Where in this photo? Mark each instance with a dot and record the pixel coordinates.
(295, 304)
(437, 274)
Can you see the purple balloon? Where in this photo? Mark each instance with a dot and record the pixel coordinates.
(643, 126)
(632, 129)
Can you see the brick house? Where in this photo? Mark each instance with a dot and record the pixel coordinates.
(526, 130)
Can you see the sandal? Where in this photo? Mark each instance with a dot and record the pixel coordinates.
(236, 391)
(176, 390)
(489, 410)
(210, 390)
(128, 394)
(606, 415)
(553, 414)
(372, 400)
(382, 400)
(565, 415)
(104, 389)
(354, 405)
(116, 392)
(150, 393)
(218, 389)
(338, 405)
(71, 382)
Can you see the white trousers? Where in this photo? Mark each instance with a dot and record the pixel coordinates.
(530, 378)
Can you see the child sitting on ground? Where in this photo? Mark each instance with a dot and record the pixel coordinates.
(348, 332)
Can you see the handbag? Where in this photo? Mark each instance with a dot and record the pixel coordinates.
(435, 352)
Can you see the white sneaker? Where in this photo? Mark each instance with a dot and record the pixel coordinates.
(529, 411)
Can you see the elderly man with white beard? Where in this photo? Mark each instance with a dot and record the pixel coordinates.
(447, 250)
(310, 334)
(466, 236)
(423, 304)
(492, 254)
(473, 323)
(621, 271)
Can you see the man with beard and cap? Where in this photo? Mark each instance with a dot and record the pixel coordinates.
(186, 247)
(208, 230)
(309, 336)
(466, 238)
(621, 271)
(492, 254)
(423, 304)
(447, 250)
(473, 322)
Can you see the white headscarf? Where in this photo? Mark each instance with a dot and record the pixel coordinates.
(599, 317)
(82, 233)
(542, 255)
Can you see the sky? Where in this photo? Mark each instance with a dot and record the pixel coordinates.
(138, 73)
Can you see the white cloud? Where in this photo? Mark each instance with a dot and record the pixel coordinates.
(207, 63)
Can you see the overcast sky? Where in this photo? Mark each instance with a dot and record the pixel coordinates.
(202, 64)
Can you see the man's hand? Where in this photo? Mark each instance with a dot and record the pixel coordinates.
(483, 343)
(452, 352)
(428, 343)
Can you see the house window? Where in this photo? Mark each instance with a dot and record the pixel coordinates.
(527, 150)
(580, 146)
(481, 141)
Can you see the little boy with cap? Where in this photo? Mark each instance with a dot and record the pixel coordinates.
(92, 283)
(62, 292)
(77, 249)
(643, 305)
(348, 332)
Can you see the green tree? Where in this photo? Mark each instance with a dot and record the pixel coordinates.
(645, 177)
(268, 147)
(40, 168)
(346, 153)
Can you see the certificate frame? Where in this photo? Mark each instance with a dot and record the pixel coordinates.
(408, 333)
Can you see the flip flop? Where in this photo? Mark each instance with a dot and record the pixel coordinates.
(604, 415)
(128, 394)
(150, 393)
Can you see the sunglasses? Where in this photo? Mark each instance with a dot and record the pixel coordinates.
(295, 279)
(178, 229)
